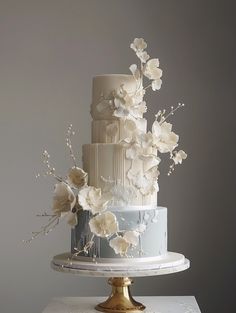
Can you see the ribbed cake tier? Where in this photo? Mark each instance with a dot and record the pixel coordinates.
(114, 131)
(151, 221)
(108, 162)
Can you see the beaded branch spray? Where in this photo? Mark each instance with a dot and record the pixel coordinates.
(73, 194)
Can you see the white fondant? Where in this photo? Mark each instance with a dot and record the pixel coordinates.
(103, 85)
(131, 220)
(101, 130)
(133, 208)
(109, 161)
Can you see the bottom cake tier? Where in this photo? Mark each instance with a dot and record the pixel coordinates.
(151, 221)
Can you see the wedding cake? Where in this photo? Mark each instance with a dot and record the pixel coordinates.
(111, 202)
(122, 166)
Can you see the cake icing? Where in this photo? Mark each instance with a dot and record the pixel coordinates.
(111, 202)
(122, 163)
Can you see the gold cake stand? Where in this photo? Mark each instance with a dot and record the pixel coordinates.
(120, 299)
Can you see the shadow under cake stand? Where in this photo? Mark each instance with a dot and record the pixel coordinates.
(118, 272)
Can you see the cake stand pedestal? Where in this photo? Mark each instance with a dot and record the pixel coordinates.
(120, 299)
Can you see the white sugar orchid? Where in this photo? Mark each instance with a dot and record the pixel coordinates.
(132, 151)
(104, 224)
(64, 202)
(143, 56)
(132, 237)
(163, 138)
(149, 161)
(156, 84)
(138, 44)
(119, 245)
(138, 144)
(77, 177)
(151, 69)
(91, 199)
(146, 182)
(63, 199)
(145, 140)
(122, 103)
(130, 125)
(179, 156)
(135, 71)
(139, 94)
(137, 110)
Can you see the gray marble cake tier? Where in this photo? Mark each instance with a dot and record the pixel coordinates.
(152, 242)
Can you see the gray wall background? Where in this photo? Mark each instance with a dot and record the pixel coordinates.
(49, 51)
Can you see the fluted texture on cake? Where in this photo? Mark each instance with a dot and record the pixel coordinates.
(113, 131)
(108, 161)
(106, 157)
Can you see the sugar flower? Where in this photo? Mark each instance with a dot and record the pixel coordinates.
(156, 84)
(179, 156)
(145, 182)
(130, 125)
(151, 69)
(119, 245)
(135, 71)
(132, 237)
(163, 138)
(143, 56)
(63, 199)
(149, 161)
(138, 44)
(91, 199)
(104, 224)
(77, 177)
(122, 102)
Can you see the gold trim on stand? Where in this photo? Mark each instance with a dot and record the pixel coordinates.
(120, 299)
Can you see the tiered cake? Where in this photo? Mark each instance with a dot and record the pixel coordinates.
(109, 166)
(111, 203)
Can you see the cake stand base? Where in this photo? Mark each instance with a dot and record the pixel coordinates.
(120, 300)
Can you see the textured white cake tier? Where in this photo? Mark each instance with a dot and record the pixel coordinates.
(109, 161)
(152, 241)
(103, 85)
(102, 133)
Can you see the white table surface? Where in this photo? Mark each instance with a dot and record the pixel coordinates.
(180, 304)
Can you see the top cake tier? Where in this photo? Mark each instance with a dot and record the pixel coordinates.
(109, 124)
(103, 87)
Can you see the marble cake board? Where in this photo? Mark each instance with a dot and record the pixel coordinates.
(120, 299)
(170, 263)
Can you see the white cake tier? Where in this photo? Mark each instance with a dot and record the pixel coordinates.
(103, 86)
(113, 131)
(108, 161)
(152, 241)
